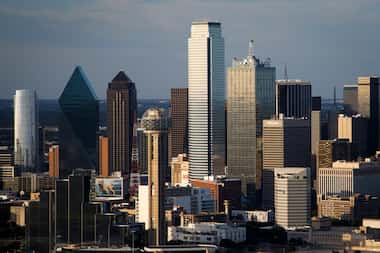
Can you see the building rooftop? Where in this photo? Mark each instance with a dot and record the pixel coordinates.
(205, 22)
(293, 82)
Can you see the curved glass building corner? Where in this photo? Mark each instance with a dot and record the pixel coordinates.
(26, 129)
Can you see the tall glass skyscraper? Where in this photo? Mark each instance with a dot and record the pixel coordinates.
(206, 99)
(26, 129)
(250, 99)
(78, 124)
(241, 124)
(265, 93)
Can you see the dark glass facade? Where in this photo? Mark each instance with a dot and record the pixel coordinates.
(91, 209)
(78, 124)
(62, 204)
(79, 195)
(40, 229)
(178, 129)
(121, 117)
(293, 98)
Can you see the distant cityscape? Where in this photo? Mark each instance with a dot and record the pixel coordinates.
(240, 160)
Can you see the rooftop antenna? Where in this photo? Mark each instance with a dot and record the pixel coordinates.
(286, 73)
(250, 48)
(334, 95)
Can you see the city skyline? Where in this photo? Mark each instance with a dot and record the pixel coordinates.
(332, 32)
(240, 157)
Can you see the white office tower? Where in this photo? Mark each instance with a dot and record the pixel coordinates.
(26, 129)
(292, 197)
(206, 99)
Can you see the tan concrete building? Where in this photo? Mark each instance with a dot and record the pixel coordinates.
(180, 170)
(336, 208)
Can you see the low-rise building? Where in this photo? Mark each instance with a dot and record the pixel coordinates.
(261, 216)
(203, 248)
(345, 179)
(320, 223)
(339, 208)
(333, 239)
(371, 240)
(351, 209)
(193, 199)
(186, 219)
(222, 188)
(210, 233)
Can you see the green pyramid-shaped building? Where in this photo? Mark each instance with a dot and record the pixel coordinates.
(78, 124)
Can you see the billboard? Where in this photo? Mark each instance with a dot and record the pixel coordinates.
(109, 188)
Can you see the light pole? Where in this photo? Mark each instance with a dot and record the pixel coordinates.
(133, 240)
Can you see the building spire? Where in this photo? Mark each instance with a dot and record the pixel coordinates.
(250, 49)
(286, 72)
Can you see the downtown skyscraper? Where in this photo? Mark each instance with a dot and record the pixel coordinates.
(121, 116)
(368, 107)
(78, 124)
(26, 129)
(241, 124)
(178, 129)
(293, 98)
(206, 100)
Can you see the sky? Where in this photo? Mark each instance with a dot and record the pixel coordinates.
(329, 42)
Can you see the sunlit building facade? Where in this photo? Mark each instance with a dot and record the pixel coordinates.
(206, 99)
(241, 123)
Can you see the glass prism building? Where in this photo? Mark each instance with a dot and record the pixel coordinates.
(78, 124)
